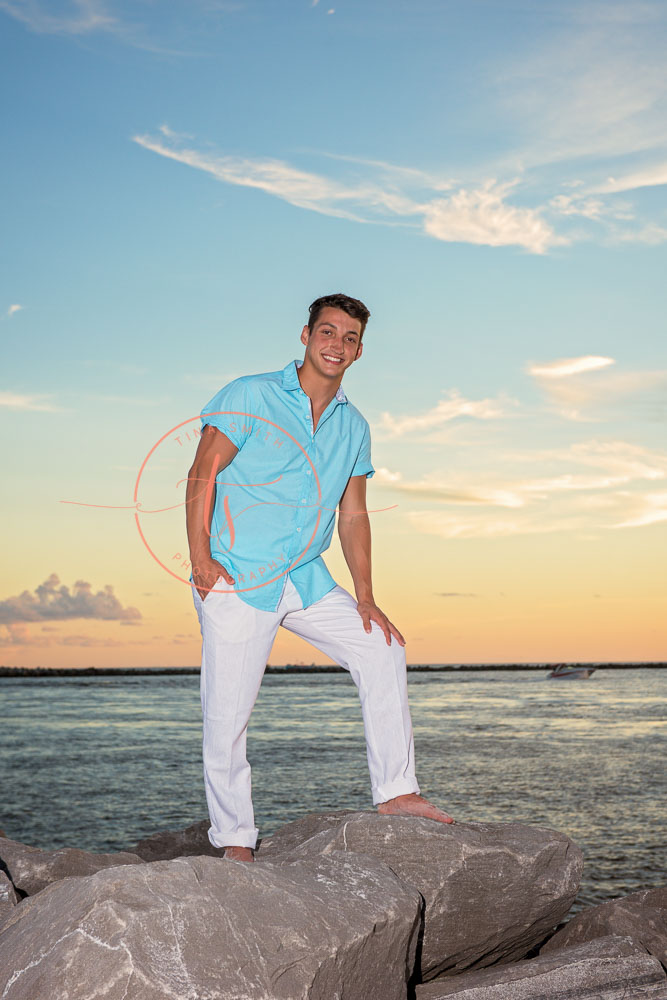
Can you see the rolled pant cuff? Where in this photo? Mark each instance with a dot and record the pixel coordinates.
(242, 838)
(403, 786)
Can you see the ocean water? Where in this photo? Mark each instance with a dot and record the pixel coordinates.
(99, 763)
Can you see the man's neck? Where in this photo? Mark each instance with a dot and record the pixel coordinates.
(320, 390)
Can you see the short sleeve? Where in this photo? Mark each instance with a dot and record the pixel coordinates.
(230, 412)
(363, 465)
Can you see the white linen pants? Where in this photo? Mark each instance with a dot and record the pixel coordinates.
(236, 642)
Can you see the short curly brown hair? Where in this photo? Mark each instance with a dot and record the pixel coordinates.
(353, 307)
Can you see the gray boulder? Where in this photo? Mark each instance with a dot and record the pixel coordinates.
(642, 915)
(294, 834)
(193, 840)
(492, 891)
(170, 844)
(610, 968)
(31, 869)
(8, 897)
(199, 928)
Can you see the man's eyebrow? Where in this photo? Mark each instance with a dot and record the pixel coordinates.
(335, 326)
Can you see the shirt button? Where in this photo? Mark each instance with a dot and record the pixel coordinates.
(298, 529)
(307, 472)
(303, 499)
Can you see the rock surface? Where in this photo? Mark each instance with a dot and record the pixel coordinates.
(609, 967)
(8, 897)
(200, 928)
(642, 915)
(169, 844)
(31, 869)
(294, 834)
(193, 840)
(492, 891)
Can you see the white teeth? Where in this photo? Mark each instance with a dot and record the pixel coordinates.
(327, 358)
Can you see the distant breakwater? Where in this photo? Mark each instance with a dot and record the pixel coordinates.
(304, 669)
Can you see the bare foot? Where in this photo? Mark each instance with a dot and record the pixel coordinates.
(239, 854)
(413, 805)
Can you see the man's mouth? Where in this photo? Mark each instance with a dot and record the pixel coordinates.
(332, 360)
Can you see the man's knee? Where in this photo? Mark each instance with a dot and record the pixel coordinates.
(377, 651)
(378, 638)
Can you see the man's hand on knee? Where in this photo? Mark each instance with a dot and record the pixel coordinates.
(369, 612)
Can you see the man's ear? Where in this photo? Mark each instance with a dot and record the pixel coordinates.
(305, 334)
(360, 349)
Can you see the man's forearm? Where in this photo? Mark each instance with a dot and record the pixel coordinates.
(197, 516)
(214, 453)
(354, 531)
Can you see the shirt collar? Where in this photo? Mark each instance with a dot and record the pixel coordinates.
(291, 380)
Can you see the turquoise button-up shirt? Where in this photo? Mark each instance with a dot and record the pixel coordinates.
(275, 503)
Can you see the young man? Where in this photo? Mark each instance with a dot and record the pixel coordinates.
(279, 452)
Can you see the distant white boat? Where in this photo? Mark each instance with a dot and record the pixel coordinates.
(563, 672)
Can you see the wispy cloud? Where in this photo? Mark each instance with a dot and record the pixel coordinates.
(82, 18)
(455, 593)
(579, 387)
(451, 526)
(483, 216)
(90, 641)
(298, 187)
(51, 601)
(620, 463)
(649, 508)
(569, 366)
(651, 234)
(445, 524)
(390, 172)
(619, 459)
(587, 106)
(452, 407)
(171, 134)
(594, 88)
(588, 208)
(613, 493)
(474, 214)
(605, 512)
(481, 211)
(449, 493)
(655, 176)
(13, 309)
(19, 634)
(22, 401)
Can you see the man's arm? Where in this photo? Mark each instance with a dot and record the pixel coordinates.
(354, 531)
(214, 453)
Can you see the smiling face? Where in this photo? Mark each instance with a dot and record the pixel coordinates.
(334, 343)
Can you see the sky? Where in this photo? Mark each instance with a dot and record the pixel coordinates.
(180, 181)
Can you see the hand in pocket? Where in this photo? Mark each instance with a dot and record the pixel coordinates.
(206, 574)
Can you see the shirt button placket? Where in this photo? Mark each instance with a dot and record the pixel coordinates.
(302, 499)
(305, 489)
